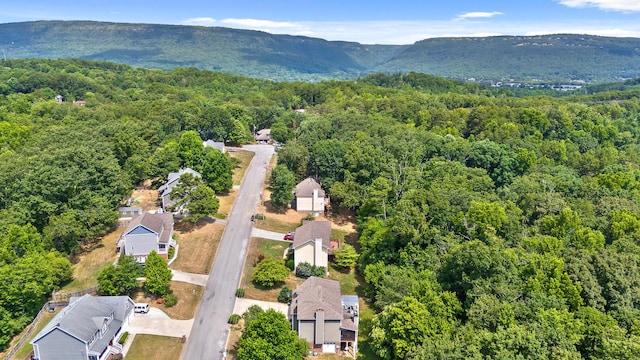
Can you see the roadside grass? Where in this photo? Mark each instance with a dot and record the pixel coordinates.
(88, 263)
(145, 347)
(226, 204)
(245, 159)
(198, 246)
(26, 348)
(235, 332)
(270, 249)
(273, 224)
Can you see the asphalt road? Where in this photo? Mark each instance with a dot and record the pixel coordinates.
(210, 329)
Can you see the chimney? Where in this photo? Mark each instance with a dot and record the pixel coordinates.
(318, 252)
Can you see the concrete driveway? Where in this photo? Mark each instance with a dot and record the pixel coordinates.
(243, 304)
(260, 233)
(196, 279)
(156, 322)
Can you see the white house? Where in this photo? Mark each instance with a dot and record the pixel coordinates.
(310, 196)
(311, 243)
(214, 144)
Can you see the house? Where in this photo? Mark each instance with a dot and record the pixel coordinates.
(310, 196)
(214, 144)
(146, 233)
(311, 243)
(263, 136)
(325, 318)
(79, 102)
(172, 181)
(129, 212)
(87, 329)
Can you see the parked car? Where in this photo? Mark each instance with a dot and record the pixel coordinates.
(289, 235)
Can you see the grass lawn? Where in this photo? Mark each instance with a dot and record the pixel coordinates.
(226, 204)
(235, 332)
(198, 246)
(145, 347)
(245, 157)
(272, 223)
(188, 300)
(270, 249)
(87, 264)
(26, 347)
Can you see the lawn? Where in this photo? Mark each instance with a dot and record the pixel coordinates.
(198, 245)
(153, 347)
(188, 300)
(270, 249)
(26, 347)
(245, 159)
(277, 224)
(88, 263)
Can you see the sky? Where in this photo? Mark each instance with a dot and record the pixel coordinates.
(363, 21)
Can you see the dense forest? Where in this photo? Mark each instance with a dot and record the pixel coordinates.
(524, 59)
(490, 226)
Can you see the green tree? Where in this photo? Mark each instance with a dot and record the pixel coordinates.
(190, 149)
(268, 336)
(194, 197)
(119, 279)
(282, 183)
(270, 272)
(157, 274)
(345, 256)
(216, 169)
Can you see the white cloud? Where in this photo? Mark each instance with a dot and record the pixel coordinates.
(201, 21)
(478, 14)
(611, 5)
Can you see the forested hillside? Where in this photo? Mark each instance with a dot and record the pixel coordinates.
(523, 59)
(490, 226)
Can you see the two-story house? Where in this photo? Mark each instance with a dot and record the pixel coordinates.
(325, 318)
(146, 233)
(311, 243)
(87, 329)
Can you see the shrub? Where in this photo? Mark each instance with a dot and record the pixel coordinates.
(171, 252)
(305, 270)
(233, 319)
(270, 272)
(291, 264)
(260, 257)
(260, 217)
(240, 292)
(170, 300)
(285, 295)
(123, 338)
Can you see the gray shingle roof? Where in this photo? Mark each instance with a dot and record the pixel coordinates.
(305, 188)
(214, 144)
(161, 224)
(311, 230)
(84, 316)
(172, 179)
(314, 294)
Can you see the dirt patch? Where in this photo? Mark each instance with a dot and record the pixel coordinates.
(145, 198)
(235, 332)
(198, 246)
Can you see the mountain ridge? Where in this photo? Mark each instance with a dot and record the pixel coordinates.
(545, 58)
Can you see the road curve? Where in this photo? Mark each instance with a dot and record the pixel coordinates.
(208, 336)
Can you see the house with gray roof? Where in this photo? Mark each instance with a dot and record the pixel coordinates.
(87, 329)
(214, 144)
(147, 233)
(310, 197)
(263, 136)
(173, 179)
(325, 318)
(311, 243)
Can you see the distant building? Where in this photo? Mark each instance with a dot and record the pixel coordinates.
(79, 102)
(173, 180)
(264, 136)
(87, 329)
(310, 197)
(59, 98)
(214, 144)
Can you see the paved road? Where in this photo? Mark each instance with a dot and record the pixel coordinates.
(210, 329)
